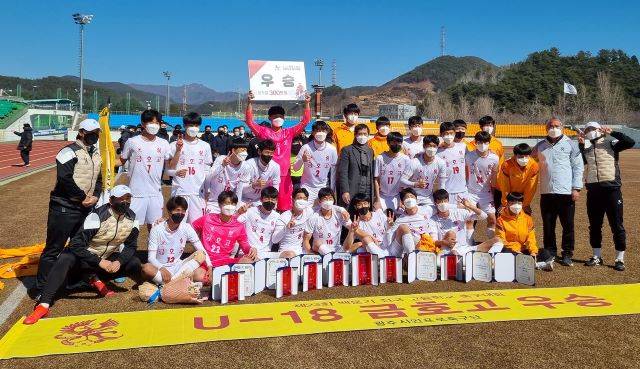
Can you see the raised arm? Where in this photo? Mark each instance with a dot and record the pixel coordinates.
(257, 129)
(305, 119)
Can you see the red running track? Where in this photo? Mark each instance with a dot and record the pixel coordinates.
(43, 154)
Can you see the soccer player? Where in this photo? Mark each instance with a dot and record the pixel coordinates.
(319, 159)
(290, 225)
(260, 222)
(379, 142)
(389, 167)
(219, 234)
(166, 246)
(225, 174)
(325, 225)
(190, 165)
(426, 171)
(488, 124)
(258, 173)
(460, 128)
(343, 135)
(282, 139)
(405, 233)
(482, 168)
(453, 154)
(146, 154)
(519, 174)
(369, 227)
(514, 227)
(413, 145)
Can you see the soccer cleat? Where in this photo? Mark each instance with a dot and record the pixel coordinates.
(545, 265)
(38, 313)
(102, 288)
(619, 266)
(594, 261)
(566, 261)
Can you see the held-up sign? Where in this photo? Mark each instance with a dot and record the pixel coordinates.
(277, 80)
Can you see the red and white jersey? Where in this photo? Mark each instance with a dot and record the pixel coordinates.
(222, 178)
(195, 157)
(328, 231)
(412, 148)
(146, 163)
(290, 238)
(253, 171)
(481, 172)
(375, 227)
(168, 246)
(456, 221)
(419, 169)
(418, 223)
(454, 158)
(324, 159)
(259, 227)
(390, 170)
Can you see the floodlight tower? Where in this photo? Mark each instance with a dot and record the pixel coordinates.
(317, 104)
(442, 41)
(167, 74)
(82, 20)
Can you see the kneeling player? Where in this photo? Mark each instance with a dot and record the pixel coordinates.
(369, 227)
(409, 227)
(325, 225)
(166, 246)
(290, 225)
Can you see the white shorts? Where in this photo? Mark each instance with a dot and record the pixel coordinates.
(196, 207)
(296, 249)
(174, 268)
(147, 209)
(389, 202)
(391, 244)
(454, 198)
(485, 203)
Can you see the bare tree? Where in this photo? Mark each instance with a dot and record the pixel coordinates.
(613, 107)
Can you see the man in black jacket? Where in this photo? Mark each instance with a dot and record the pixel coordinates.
(94, 251)
(220, 143)
(355, 168)
(162, 133)
(25, 144)
(125, 134)
(78, 186)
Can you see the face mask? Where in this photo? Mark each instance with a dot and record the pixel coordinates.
(591, 135)
(395, 148)
(410, 203)
(523, 161)
(352, 118)
(193, 131)
(177, 217)
(242, 156)
(277, 122)
(488, 129)
(265, 159)
(326, 204)
(301, 204)
(554, 132)
(460, 135)
(443, 206)
(228, 209)
(120, 207)
(320, 136)
(152, 128)
(515, 208)
(416, 131)
(447, 139)
(90, 138)
(483, 147)
(221, 133)
(384, 130)
(363, 211)
(362, 139)
(268, 205)
(431, 151)
(208, 131)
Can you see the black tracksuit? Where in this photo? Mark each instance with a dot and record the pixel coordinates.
(25, 144)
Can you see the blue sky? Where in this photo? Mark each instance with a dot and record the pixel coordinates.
(372, 41)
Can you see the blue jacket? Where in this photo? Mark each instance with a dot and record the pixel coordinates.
(561, 166)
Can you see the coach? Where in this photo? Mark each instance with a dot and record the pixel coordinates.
(561, 169)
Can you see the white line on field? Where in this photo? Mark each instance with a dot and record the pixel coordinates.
(12, 302)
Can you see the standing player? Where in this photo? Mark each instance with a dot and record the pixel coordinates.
(379, 143)
(290, 226)
(325, 225)
(260, 222)
(225, 174)
(482, 168)
(412, 145)
(259, 173)
(147, 154)
(389, 167)
(453, 154)
(319, 159)
(190, 165)
(422, 173)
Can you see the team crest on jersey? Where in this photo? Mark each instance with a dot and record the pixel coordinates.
(88, 332)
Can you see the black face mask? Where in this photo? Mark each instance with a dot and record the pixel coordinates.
(90, 138)
(460, 135)
(177, 217)
(268, 205)
(363, 211)
(120, 207)
(220, 133)
(395, 148)
(295, 149)
(266, 159)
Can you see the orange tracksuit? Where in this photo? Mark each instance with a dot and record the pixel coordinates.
(516, 232)
(514, 178)
(378, 144)
(342, 137)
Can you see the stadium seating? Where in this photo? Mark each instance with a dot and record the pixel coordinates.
(9, 112)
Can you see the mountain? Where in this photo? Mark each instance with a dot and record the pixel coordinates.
(196, 93)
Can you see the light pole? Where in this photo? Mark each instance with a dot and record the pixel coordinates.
(167, 74)
(82, 19)
(318, 89)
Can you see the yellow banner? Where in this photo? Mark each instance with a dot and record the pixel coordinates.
(107, 151)
(115, 331)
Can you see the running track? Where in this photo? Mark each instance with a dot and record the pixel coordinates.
(43, 154)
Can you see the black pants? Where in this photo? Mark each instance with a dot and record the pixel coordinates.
(62, 224)
(68, 265)
(601, 201)
(24, 154)
(552, 207)
(497, 200)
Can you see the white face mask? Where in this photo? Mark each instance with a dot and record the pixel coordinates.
(301, 204)
(410, 203)
(384, 130)
(591, 135)
(326, 204)
(431, 151)
(555, 132)
(152, 128)
(443, 206)
(488, 129)
(352, 118)
(362, 139)
(416, 131)
(483, 147)
(242, 156)
(448, 139)
(515, 208)
(277, 122)
(320, 136)
(192, 131)
(228, 210)
(523, 161)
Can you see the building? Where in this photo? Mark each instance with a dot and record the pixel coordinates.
(397, 111)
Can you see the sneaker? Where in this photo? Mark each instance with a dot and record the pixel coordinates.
(38, 313)
(102, 288)
(594, 261)
(566, 261)
(545, 265)
(619, 266)
(120, 280)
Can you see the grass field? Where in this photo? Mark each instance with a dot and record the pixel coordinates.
(562, 343)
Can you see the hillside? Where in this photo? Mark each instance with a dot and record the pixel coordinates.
(196, 93)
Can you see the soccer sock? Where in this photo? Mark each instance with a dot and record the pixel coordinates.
(44, 305)
(375, 249)
(157, 279)
(187, 269)
(620, 255)
(407, 243)
(491, 232)
(597, 252)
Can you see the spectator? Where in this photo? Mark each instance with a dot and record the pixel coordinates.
(162, 133)
(355, 168)
(220, 143)
(177, 132)
(25, 144)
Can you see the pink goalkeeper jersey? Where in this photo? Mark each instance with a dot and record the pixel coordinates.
(219, 238)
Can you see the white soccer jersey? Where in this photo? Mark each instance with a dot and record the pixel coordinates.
(454, 222)
(454, 158)
(375, 227)
(390, 170)
(418, 223)
(168, 246)
(259, 227)
(222, 178)
(327, 231)
(196, 158)
(290, 238)
(146, 162)
(253, 171)
(419, 169)
(412, 148)
(481, 171)
(324, 159)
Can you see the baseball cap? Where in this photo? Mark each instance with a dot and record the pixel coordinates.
(595, 125)
(89, 125)
(120, 190)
